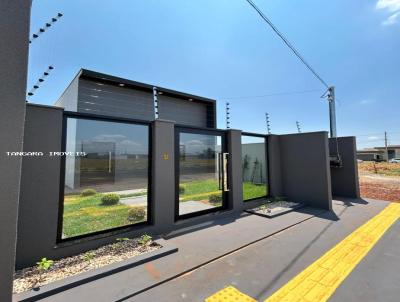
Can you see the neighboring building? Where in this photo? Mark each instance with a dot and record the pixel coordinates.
(379, 153)
(393, 151)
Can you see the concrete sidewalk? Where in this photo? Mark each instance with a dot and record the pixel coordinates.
(254, 265)
(262, 268)
(377, 277)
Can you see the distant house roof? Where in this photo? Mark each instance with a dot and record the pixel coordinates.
(389, 147)
(370, 151)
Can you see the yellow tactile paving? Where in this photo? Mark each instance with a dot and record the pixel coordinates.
(229, 294)
(320, 280)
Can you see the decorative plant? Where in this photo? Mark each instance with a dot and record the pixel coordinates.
(110, 199)
(145, 240)
(181, 189)
(88, 256)
(43, 265)
(263, 208)
(137, 214)
(88, 192)
(116, 246)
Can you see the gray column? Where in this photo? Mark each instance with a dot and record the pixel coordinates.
(345, 179)
(274, 166)
(305, 168)
(235, 170)
(14, 35)
(163, 176)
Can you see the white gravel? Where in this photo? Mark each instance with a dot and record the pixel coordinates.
(32, 277)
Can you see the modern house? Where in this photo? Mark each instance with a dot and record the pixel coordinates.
(379, 153)
(161, 152)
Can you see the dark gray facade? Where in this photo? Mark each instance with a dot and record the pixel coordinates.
(101, 94)
(345, 178)
(298, 169)
(14, 36)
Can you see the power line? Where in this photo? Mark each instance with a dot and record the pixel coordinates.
(286, 41)
(272, 94)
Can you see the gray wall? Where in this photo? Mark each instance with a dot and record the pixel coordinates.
(111, 100)
(14, 35)
(89, 95)
(274, 166)
(69, 98)
(305, 168)
(182, 111)
(345, 179)
(298, 166)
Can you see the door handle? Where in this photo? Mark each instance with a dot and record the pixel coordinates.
(109, 162)
(225, 163)
(220, 184)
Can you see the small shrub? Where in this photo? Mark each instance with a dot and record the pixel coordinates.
(181, 189)
(145, 239)
(88, 192)
(110, 199)
(136, 214)
(44, 264)
(119, 244)
(215, 198)
(88, 256)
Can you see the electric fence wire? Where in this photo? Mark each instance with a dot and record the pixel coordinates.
(286, 41)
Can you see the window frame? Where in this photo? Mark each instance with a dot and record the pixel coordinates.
(224, 146)
(267, 170)
(111, 231)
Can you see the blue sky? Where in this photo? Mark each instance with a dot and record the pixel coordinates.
(223, 50)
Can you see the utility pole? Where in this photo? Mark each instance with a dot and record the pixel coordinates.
(386, 147)
(268, 123)
(228, 123)
(298, 127)
(332, 111)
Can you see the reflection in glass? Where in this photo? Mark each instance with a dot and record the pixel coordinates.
(199, 174)
(254, 166)
(115, 162)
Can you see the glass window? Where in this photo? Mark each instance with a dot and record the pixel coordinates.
(200, 173)
(106, 184)
(254, 166)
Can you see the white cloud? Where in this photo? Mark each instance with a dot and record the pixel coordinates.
(391, 5)
(373, 138)
(393, 19)
(367, 101)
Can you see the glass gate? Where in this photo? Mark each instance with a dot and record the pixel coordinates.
(201, 171)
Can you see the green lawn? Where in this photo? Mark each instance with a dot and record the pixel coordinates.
(83, 215)
(199, 189)
(202, 189)
(251, 191)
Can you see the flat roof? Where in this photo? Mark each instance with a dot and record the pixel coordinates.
(389, 147)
